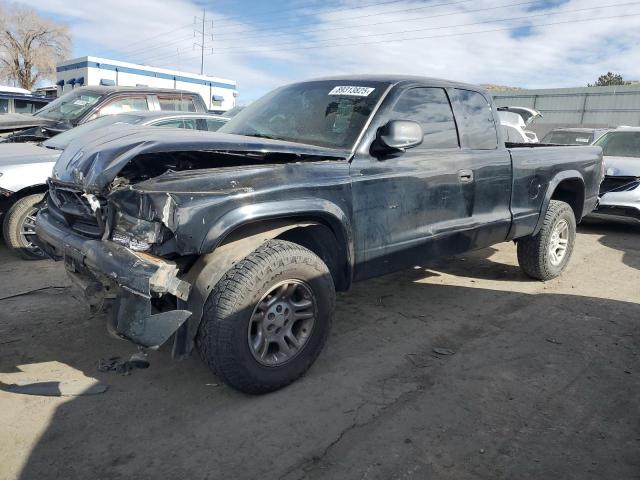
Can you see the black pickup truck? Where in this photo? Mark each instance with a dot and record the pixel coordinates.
(236, 242)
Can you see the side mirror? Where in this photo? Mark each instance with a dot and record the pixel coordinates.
(400, 135)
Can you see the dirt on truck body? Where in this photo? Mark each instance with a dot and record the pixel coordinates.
(237, 241)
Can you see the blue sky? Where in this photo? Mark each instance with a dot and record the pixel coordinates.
(544, 43)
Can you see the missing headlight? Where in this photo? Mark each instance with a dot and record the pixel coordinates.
(130, 242)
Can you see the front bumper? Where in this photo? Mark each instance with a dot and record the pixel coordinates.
(128, 280)
(624, 205)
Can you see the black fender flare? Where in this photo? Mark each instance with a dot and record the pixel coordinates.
(551, 188)
(210, 268)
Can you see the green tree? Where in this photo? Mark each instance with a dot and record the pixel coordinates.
(609, 78)
(30, 45)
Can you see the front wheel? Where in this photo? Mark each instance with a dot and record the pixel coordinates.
(267, 319)
(545, 256)
(19, 227)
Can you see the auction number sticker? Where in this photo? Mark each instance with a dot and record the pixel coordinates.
(353, 91)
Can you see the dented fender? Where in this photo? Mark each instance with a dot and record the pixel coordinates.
(209, 270)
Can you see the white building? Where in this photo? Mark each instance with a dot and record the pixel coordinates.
(218, 93)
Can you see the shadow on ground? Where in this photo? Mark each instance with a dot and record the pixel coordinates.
(619, 235)
(539, 386)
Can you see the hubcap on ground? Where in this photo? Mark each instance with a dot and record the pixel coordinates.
(281, 323)
(28, 232)
(558, 242)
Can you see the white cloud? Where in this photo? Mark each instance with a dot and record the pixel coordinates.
(569, 54)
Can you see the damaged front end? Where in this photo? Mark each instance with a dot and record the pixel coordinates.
(129, 210)
(106, 254)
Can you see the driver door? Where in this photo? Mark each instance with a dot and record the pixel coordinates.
(407, 207)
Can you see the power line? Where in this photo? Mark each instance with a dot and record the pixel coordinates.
(386, 22)
(162, 34)
(457, 34)
(157, 45)
(321, 10)
(350, 37)
(356, 17)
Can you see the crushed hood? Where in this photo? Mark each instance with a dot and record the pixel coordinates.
(94, 161)
(18, 121)
(622, 166)
(25, 153)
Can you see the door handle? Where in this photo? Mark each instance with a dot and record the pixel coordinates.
(465, 176)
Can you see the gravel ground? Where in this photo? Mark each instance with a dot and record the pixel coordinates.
(542, 381)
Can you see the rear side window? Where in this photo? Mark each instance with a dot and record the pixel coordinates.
(4, 105)
(173, 123)
(431, 109)
(27, 106)
(177, 104)
(475, 118)
(213, 125)
(124, 105)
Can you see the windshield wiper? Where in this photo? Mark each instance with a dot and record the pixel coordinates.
(261, 135)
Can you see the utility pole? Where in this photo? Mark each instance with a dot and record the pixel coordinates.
(202, 45)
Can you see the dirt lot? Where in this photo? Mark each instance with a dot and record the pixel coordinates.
(544, 382)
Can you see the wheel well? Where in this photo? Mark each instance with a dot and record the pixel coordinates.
(571, 191)
(322, 241)
(8, 203)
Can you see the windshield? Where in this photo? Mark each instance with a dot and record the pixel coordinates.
(620, 144)
(568, 138)
(69, 106)
(322, 113)
(60, 141)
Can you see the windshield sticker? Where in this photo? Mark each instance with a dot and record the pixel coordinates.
(582, 140)
(353, 91)
(80, 102)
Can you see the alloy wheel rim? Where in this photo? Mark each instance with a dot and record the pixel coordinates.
(559, 242)
(282, 322)
(28, 232)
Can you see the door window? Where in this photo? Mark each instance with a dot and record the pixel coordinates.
(124, 105)
(475, 118)
(27, 106)
(4, 105)
(431, 109)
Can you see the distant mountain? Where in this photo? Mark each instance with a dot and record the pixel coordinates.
(498, 88)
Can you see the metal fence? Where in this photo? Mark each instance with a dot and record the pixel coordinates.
(577, 107)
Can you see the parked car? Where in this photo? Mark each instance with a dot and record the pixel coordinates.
(21, 103)
(620, 190)
(25, 167)
(574, 136)
(237, 241)
(83, 104)
(515, 122)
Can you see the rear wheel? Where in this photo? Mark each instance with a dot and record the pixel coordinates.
(267, 320)
(19, 227)
(545, 256)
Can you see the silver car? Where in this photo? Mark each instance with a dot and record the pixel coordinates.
(25, 167)
(620, 189)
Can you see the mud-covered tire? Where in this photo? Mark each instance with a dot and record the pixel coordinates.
(534, 252)
(223, 338)
(13, 223)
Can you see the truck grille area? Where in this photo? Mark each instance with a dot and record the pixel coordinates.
(618, 184)
(68, 206)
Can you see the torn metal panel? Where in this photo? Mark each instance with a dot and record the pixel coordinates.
(134, 320)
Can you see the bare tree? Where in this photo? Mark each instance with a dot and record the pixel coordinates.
(30, 45)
